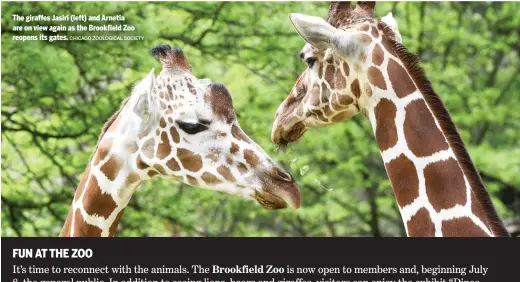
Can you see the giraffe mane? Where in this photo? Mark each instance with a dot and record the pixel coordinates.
(439, 110)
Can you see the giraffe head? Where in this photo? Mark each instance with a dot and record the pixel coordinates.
(338, 55)
(184, 128)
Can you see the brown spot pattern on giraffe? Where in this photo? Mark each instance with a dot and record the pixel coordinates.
(330, 59)
(345, 100)
(162, 123)
(445, 184)
(170, 90)
(164, 149)
(364, 27)
(96, 201)
(421, 225)
(405, 182)
(421, 133)
(113, 227)
(354, 87)
(376, 78)
(329, 74)
(159, 169)
(174, 134)
(189, 160)
(234, 148)
(462, 227)
(319, 114)
(340, 80)
(111, 168)
(377, 55)
(365, 39)
(65, 231)
(192, 89)
(132, 178)
(328, 111)
(220, 134)
(346, 68)
(163, 106)
(140, 163)
(81, 185)
(251, 158)
(375, 32)
(386, 131)
(192, 180)
(173, 164)
(340, 116)
(400, 80)
(81, 228)
(229, 160)
(148, 148)
(103, 150)
(226, 173)
(210, 178)
(314, 95)
(132, 147)
(213, 155)
(238, 133)
(324, 94)
(152, 173)
(368, 90)
(242, 168)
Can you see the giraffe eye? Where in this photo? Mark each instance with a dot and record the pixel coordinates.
(310, 61)
(192, 128)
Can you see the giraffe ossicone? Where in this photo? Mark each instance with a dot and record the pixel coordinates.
(178, 127)
(356, 63)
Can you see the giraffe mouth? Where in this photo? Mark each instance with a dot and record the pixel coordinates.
(283, 137)
(269, 201)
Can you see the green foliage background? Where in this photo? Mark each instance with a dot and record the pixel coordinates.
(56, 97)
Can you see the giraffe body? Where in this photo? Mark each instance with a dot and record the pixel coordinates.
(358, 64)
(178, 127)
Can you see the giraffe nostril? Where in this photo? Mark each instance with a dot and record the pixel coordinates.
(282, 175)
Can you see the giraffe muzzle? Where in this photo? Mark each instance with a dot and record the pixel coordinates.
(269, 201)
(279, 190)
(282, 136)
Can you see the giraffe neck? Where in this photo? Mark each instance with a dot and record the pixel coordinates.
(437, 188)
(434, 195)
(97, 208)
(108, 183)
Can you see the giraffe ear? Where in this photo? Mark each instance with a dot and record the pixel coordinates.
(145, 106)
(319, 33)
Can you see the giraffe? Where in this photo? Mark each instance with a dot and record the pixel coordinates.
(177, 127)
(357, 63)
